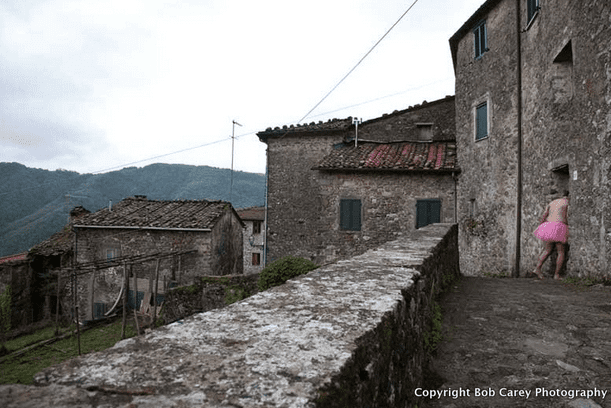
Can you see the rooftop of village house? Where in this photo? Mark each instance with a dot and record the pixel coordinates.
(252, 213)
(400, 156)
(141, 212)
(339, 125)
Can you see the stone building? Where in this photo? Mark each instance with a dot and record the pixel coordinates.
(159, 242)
(333, 192)
(533, 116)
(253, 238)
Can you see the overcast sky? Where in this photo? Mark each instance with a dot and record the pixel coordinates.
(96, 86)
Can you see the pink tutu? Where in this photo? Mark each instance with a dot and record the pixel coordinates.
(552, 232)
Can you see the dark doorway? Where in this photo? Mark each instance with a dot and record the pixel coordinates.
(428, 211)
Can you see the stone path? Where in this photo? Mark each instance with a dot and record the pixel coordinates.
(523, 343)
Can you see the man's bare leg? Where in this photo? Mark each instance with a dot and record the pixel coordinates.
(559, 260)
(546, 251)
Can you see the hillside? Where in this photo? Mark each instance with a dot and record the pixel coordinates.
(36, 203)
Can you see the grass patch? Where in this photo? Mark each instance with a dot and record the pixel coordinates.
(29, 339)
(21, 369)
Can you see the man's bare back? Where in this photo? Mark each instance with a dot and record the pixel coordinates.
(557, 211)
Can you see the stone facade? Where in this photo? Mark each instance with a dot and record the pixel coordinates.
(313, 168)
(253, 238)
(350, 334)
(199, 238)
(565, 120)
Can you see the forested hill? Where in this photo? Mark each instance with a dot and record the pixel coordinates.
(35, 203)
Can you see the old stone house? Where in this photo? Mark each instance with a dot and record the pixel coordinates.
(533, 116)
(333, 192)
(253, 238)
(158, 243)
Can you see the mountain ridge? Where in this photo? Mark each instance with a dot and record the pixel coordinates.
(35, 203)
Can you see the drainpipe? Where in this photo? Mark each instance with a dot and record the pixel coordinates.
(266, 197)
(516, 269)
(455, 197)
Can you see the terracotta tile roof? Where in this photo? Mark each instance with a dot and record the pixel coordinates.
(252, 213)
(401, 156)
(332, 125)
(140, 212)
(14, 258)
(59, 243)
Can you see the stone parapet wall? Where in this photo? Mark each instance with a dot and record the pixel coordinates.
(349, 334)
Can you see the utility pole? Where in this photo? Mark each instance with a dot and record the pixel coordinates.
(232, 141)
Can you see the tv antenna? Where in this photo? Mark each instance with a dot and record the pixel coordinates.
(356, 122)
(232, 142)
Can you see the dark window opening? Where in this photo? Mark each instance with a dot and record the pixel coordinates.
(256, 227)
(256, 258)
(350, 215)
(428, 212)
(562, 77)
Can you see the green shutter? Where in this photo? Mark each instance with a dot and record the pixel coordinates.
(350, 215)
(481, 121)
(427, 212)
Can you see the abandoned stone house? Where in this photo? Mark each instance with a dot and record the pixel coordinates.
(533, 116)
(159, 242)
(253, 243)
(333, 192)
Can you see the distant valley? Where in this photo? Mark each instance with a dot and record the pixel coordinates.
(35, 203)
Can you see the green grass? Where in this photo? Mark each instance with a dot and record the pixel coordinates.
(28, 339)
(21, 369)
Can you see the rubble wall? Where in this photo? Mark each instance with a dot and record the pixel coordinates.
(347, 334)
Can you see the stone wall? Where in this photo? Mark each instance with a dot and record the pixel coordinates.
(567, 128)
(487, 193)
(207, 293)
(566, 134)
(388, 209)
(303, 204)
(350, 334)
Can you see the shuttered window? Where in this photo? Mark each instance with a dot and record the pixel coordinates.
(350, 215)
(427, 212)
(480, 39)
(532, 6)
(481, 121)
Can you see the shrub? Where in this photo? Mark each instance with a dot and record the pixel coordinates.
(283, 269)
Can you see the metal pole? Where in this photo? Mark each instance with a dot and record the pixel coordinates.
(232, 141)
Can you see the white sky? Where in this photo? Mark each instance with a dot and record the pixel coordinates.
(92, 86)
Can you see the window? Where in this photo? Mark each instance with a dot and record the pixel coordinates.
(425, 131)
(256, 258)
(481, 121)
(350, 215)
(428, 212)
(256, 227)
(532, 7)
(481, 42)
(111, 254)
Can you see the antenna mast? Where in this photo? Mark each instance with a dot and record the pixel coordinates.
(232, 141)
(356, 122)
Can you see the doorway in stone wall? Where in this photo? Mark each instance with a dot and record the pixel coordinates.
(559, 183)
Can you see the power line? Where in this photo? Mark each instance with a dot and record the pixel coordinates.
(359, 63)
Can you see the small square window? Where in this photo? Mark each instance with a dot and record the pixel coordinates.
(256, 227)
(480, 39)
(111, 253)
(481, 121)
(350, 215)
(256, 258)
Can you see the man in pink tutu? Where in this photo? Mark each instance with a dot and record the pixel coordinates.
(554, 229)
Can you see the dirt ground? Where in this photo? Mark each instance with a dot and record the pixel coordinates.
(522, 343)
